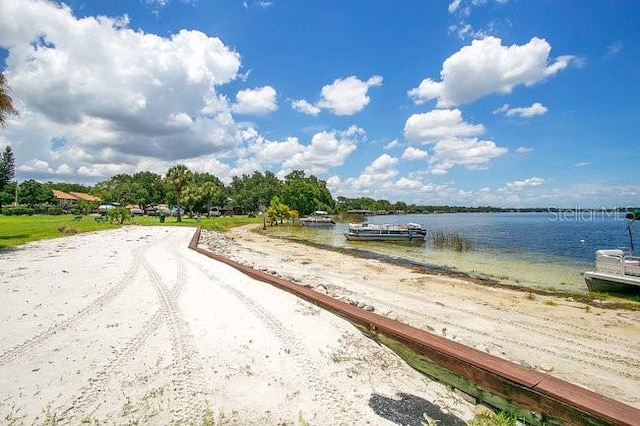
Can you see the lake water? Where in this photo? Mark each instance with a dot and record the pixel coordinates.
(541, 250)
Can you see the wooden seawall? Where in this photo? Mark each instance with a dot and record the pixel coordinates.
(524, 387)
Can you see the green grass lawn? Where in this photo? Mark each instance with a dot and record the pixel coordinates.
(18, 230)
(221, 224)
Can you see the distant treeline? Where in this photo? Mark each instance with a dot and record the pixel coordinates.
(245, 194)
(368, 204)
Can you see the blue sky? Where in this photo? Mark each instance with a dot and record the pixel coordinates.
(509, 103)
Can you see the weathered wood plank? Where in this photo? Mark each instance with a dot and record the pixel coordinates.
(490, 376)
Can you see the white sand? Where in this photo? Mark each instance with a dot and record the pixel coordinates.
(130, 327)
(596, 348)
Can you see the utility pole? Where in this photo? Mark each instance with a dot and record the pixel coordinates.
(15, 203)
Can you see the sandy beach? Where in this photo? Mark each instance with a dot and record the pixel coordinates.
(130, 326)
(595, 347)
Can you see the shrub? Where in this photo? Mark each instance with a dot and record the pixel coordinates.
(119, 215)
(17, 211)
(54, 211)
(41, 209)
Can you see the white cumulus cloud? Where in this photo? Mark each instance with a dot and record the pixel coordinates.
(518, 185)
(470, 153)
(394, 143)
(116, 95)
(413, 154)
(305, 107)
(487, 66)
(327, 149)
(439, 124)
(454, 141)
(346, 96)
(525, 112)
(376, 176)
(523, 150)
(257, 101)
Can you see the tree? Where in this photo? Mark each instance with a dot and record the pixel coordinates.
(178, 177)
(306, 194)
(6, 103)
(191, 195)
(7, 168)
(147, 189)
(69, 187)
(33, 193)
(142, 189)
(8, 194)
(119, 215)
(277, 211)
(211, 191)
(253, 193)
(118, 188)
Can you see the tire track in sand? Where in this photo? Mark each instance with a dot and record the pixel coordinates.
(187, 379)
(28, 345)
(564, 354)
(184, 366)
(217, 245)
(325, 393)
(609, 360)
(545, 328)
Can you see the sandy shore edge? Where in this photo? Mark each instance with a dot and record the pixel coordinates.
(557, 335)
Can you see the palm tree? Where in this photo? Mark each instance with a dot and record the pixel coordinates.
(178, 177)
(6, 103)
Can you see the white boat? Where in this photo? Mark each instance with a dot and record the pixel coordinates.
(318, 218)
(617, 270)
(411, 232)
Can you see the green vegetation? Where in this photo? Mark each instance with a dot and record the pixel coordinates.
(195, 192)
(7, 160)
(19, 230)
(278, 211)
(451, 240)
(507, 409)
(494, 419)
(179, 178)
(220, 224)
(142, 189)
(304, 194)
(118, 215)
(6, 103)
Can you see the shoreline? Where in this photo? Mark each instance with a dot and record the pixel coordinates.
(609, 301)
(563, 335)
(531, 269)
(130, 325)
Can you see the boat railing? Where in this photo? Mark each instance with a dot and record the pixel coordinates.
(631, 265)
(617, 262)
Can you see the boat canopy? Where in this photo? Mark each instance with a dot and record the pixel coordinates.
(634, 215)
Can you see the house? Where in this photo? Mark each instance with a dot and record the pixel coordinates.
(68, 199)
(85, 197)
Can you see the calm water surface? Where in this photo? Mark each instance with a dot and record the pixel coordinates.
(543, 250)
